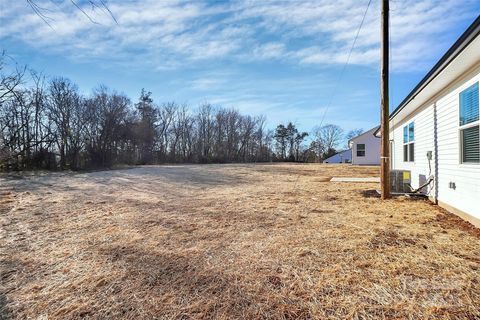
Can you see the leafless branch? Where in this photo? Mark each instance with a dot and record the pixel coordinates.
(41, 11)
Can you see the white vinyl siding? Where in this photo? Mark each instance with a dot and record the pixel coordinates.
(366, 149)
(445, 145)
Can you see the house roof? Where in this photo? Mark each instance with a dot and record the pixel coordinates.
(372, 131)
(465, 39)
(338, 153)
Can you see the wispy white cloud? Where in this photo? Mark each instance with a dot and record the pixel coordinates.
(329, 28)
(174, 33)
(206, 84)
(269, 50)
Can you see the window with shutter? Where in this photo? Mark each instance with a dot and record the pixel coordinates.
(469, 125)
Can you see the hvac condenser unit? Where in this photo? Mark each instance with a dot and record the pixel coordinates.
(400, 181)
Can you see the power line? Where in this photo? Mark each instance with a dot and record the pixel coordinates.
(346, 63)
(339, 79)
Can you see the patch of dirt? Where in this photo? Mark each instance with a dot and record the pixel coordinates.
(389, 238)
(450, 220)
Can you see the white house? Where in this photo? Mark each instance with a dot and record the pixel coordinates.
(434, 132)
(344, 156)
(366, 148)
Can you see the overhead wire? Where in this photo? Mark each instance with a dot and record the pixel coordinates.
(340, 76)
(345, 64)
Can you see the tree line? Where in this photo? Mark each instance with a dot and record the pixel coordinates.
(49, 124)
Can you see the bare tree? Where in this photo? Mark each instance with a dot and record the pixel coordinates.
(352, 134)
(106, 115)
(328, 138)
(65, 110)
(165, 117)
(205, 125)
(51, 125)
(182, 131)
(9, 81)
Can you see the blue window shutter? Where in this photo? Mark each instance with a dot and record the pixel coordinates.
(469, 105)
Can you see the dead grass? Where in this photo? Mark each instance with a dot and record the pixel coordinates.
(233, 241)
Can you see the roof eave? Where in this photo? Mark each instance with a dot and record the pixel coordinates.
(364, 133)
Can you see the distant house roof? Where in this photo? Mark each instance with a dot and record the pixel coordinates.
(371, 131)
(468, 36)
(344, 155)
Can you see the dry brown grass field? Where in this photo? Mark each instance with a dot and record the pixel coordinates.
(229, 241)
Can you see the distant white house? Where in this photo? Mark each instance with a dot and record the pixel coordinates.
(366, 148)
(434, 132)
(344, 156)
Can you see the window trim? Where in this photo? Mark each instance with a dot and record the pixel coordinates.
(408, 142)
(466, 126)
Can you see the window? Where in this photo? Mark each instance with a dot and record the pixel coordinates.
(469, 125)
(361, 150)
(409, 143)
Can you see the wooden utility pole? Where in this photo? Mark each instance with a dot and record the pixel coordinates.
(384, 114)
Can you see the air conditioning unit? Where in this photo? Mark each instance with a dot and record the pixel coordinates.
(400, 181)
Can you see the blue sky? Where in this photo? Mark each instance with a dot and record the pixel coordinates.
(281, 59)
